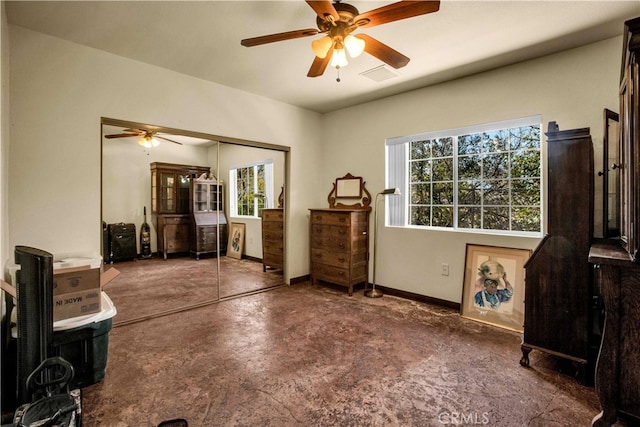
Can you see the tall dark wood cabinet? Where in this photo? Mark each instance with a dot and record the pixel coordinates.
(208, 221)
(170, 192)
(559, 294)
(617, 261)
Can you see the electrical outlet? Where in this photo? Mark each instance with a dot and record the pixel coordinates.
(444, 269)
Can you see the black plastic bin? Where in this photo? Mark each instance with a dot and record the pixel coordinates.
(86, 348)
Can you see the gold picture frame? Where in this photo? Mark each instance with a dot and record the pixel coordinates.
(235, 245)
(493, 289)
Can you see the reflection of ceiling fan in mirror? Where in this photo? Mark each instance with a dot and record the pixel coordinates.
(146, 138)
(338, 20)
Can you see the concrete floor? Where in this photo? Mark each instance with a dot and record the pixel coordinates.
(312, 356)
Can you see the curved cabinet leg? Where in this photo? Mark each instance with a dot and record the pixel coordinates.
(607, 368)
(525, 355)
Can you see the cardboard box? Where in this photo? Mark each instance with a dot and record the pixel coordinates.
(67, 280)
(77, 285)
(72, 304)
(76, 292)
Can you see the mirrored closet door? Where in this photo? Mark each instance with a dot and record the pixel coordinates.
(203, 203)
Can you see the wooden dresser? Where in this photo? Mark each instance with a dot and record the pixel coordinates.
(273, 238)
(339, 240)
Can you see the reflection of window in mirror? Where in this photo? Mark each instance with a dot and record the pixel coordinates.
(251, 189)
(611, 175)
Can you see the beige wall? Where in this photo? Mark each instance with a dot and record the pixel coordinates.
(571, 88)
(62, 89)
(59, 91)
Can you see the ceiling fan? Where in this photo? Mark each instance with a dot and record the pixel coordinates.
(146, 138)
(338, 20)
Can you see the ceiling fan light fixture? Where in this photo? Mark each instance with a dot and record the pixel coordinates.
(354, 45)
(148, 141)
(339, 58)
(322, 46)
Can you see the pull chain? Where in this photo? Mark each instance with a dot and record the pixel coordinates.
(338, 70)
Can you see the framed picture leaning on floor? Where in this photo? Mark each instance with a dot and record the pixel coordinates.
(493, 289)
(236, 240)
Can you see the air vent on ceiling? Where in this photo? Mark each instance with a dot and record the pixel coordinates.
(379, 73)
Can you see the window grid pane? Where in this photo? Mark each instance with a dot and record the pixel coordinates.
(492, 182)
(245, 187)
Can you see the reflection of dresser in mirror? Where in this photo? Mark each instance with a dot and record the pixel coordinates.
(207, 215)
(273, 236)
(170, 188)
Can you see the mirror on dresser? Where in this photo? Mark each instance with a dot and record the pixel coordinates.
(169, 181)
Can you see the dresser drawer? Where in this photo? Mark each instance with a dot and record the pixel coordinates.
(208, 234)
(272, 215)
(335, 259)
(175, 220)
(332, 243)
(331, 218)
(273, 260)
(273, 227)
(330, 274)
(273, 246)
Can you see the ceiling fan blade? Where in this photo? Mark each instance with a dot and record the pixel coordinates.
(319, 65)
(271, 38)
(324, 9)
(383, 52)
(395, 12)
(120, 135)
(167, 139)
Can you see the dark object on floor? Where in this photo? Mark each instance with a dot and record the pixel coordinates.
(86, 348)
(52, 404)
(35, 314)
(178, 422)
(122, 242)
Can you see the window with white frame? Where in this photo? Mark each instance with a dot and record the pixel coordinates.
(485, 178)
(251, 189)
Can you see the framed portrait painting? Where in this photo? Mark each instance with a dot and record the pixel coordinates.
(236, 240)
(493, 290)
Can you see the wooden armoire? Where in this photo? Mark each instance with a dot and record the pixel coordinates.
(170, 193)
(617, 259)
(559, 293)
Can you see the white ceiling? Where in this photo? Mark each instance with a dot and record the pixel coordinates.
(202, 39)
